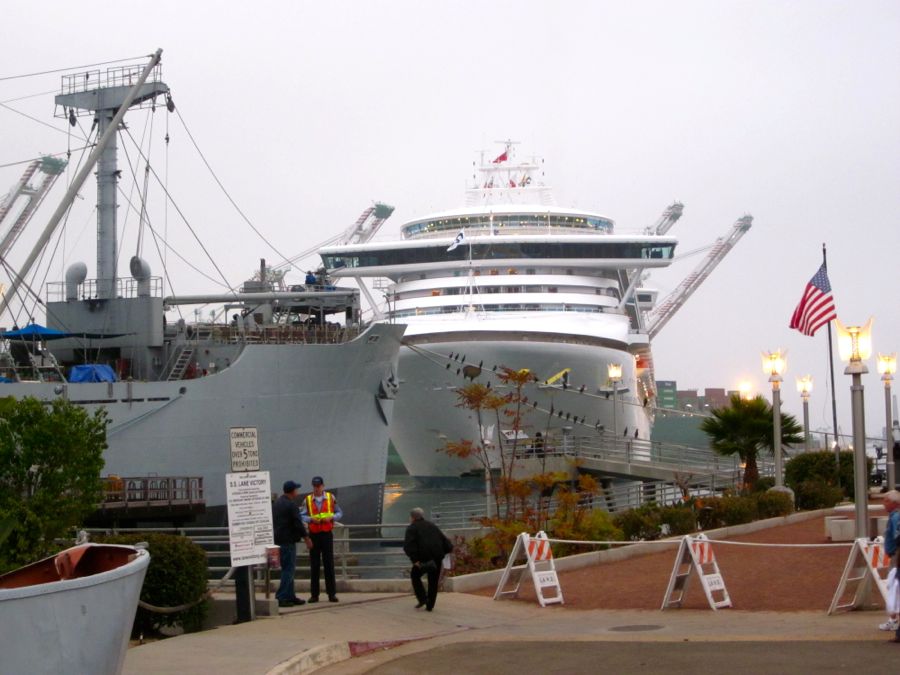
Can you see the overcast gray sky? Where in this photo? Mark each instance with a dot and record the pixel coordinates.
(309, 111)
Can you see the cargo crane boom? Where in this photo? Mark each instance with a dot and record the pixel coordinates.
(365, 227)
(661, 315)
(668, 218)
(32, 196)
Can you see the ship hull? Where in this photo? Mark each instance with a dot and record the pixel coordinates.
(318, 410)
(427, 415)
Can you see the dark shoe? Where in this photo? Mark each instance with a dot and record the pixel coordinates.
(299, 601)
(286, 603)
(313, 599)
(429, 609)
(420, 605)
(332, 598)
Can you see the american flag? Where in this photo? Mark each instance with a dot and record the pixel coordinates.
(816, 307)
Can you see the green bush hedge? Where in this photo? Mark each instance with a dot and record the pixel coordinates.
(640, 524)
(815, 494)
(774, 504)
(820, 467)
(176, 576)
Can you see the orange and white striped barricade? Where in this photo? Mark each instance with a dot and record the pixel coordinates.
(696, 554)
(538, 564)
(867, 565)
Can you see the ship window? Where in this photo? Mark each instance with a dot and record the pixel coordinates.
(552, 289)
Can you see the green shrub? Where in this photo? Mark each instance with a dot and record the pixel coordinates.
(774, 504)
(738, 510)
(725, 511)
(596, 525)
(176, 576)
(640, 524)
(680, 519)
(709, 512)
(764, 484)
(813, 494)
(820, 467)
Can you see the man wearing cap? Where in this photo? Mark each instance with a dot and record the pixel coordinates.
(289, 530)
(319, 511)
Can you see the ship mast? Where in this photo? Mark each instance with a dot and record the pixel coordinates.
(107, 100)
(108, 97)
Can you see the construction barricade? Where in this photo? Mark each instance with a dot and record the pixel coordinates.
(867, 566)
(695, 554)
(538, 564)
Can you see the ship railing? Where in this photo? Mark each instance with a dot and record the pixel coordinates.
(275, 335)
(87, 290)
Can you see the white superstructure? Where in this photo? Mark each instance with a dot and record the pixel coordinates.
(513, 280)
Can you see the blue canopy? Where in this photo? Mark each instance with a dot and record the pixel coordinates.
(34, 331)
(92, 372)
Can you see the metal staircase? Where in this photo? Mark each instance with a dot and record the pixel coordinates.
(181, 364)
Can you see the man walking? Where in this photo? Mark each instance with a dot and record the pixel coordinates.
(425, 545)
(320, 510)
(288, 531)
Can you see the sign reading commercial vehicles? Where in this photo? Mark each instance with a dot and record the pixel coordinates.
(244, 449)
(249, 516)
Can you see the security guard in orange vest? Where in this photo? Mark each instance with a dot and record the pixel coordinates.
(319, 512)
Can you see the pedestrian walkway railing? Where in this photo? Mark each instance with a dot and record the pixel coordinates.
(617, 497)
(363, 551)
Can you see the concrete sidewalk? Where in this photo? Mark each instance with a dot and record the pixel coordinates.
(363, 624)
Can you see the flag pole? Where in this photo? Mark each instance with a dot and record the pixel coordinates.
(837, 443)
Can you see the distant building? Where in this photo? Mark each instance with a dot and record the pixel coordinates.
(666, 394)
(714, 398)
(688, 399)
(670, 397)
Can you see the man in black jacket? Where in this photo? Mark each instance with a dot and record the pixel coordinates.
(288, 531)
(425, 545)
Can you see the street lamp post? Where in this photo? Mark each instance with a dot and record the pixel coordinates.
(804, 386)
(774, 364)
(615, 376)
(854, 347)
(887, 366)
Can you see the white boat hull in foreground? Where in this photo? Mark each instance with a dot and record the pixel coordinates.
(77, 625)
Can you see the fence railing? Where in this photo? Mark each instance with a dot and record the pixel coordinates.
(366, 551)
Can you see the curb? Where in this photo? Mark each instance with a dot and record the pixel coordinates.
(313, 659)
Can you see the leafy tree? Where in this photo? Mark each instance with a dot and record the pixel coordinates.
(50, 463)
(506, 411)
(745, 428)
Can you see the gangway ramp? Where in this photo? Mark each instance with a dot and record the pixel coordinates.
(632, 459)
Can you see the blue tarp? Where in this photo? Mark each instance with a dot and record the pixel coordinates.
(94, 372)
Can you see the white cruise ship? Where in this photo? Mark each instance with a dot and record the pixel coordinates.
(528, 284)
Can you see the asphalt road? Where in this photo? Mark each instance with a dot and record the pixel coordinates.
(671, 658)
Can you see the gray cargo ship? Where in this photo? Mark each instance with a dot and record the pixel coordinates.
(293, 362)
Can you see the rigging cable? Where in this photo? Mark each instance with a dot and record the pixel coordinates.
(166, 244)
(228, 196)
(62, 70)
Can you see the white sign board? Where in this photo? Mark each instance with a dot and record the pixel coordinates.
(249, 516)
(244, 449)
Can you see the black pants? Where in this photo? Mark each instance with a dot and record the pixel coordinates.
(322, 551)
(434, 573)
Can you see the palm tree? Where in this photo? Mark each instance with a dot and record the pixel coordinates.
(745, 428)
